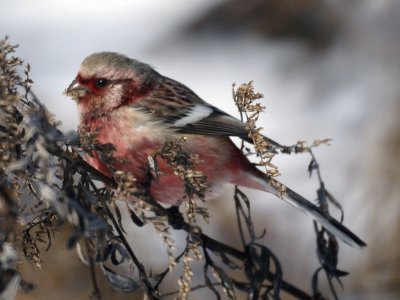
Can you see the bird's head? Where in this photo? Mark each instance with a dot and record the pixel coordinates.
(107, 80)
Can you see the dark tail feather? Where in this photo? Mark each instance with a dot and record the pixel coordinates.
(330, 224)
(290, 196)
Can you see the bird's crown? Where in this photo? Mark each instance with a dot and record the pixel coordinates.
(112, 65)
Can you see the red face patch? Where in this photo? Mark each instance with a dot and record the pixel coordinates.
(95, 85)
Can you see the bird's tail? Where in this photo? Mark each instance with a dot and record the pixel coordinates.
(327, 221)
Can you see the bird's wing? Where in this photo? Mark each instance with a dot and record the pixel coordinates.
(179, 107)
(216, 123)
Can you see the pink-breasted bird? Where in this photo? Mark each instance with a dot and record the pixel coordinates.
(136, 109)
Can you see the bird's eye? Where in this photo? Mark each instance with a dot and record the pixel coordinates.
(102, 83)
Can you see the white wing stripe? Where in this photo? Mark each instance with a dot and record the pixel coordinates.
(195, 114)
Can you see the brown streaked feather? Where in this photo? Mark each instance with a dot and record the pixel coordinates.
(168, 98)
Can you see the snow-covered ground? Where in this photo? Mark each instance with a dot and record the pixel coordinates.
(349, 93)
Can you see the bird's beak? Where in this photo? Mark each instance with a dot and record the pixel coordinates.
(76, 90)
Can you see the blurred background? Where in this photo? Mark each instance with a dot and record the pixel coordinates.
(327, 69)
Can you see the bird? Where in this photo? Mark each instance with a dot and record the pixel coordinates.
(130, 105)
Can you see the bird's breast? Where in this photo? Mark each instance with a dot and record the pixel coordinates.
(134, 135)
